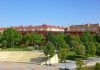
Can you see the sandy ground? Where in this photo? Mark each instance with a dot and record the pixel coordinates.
(25, 66)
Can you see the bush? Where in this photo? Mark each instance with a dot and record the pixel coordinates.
(98, 49)
(97, 66)
(74, 57)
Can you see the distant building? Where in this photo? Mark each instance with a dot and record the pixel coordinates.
(79, 29)
(44, 29)
(38, 29)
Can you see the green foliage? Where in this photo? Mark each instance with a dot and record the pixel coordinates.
(97, 38)
(38, 38)
(28, 38)
(49, 49)
(97, 66)
(79, 64)
(80, 49)
(33, 38)
(50, 37)
(98, 49)
(62, 54)
(88, 43)
(11, 37)
(74, 56)
(1, 36)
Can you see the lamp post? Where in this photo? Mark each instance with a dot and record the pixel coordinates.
(48, 61)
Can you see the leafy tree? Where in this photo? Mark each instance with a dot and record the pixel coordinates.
(11, 37)
(50, 37)
(98, 49)
(63, 54)
(97, 37)
(93, 48)
(28, 38)
(1, 36)
(88, 43)
(68, 40)
(72, 40)
(80, 49)
(38, 38)
(79, 63)
(49, 49)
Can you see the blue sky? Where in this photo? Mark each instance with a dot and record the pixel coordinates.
(54, 12)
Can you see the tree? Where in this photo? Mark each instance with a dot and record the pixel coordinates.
(28, 38)
(38, 38)
(80, 49)
(68, 40)
(97, 66)
(79, 63)
(63, 52)
(93, 48)
(49, 49)
(1, 36)
(97, 37)
(75, 42)
(50, 37)
(98, 49)
(11, 37)
(88, 43)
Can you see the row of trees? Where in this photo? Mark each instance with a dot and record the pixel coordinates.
(11, 38)
(84, 46)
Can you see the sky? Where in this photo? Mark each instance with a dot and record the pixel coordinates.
(52, 12)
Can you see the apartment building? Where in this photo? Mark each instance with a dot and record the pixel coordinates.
(79, 29)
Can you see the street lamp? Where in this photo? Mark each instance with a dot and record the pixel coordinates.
(48, 60)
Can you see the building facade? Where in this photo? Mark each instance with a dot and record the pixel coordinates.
(38, 29)
(44, 29)
(79, 29)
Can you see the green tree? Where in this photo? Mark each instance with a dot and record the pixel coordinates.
(98, 49)
(62, 54)
(88, 43)
(49, 49)
(97, 37)
(93, 49)
(38, 38)
(79, 63)
(80, 49)
(1, 36)
(28, 38)
(75, 41)
(11, 37)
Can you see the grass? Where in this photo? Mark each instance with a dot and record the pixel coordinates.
(89, 68)
(16, 49)
(22, 48)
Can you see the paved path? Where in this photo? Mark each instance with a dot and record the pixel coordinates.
(24, 66)
(71, 64)
(31, 66)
